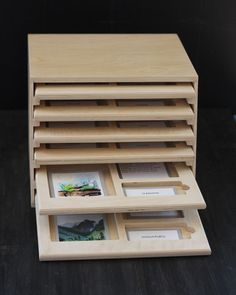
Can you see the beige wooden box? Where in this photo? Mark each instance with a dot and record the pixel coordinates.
(97, 101)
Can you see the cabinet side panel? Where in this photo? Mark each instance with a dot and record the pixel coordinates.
(30, 140)
(195, 109)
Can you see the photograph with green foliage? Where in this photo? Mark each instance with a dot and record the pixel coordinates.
(77, 184)
(81, 228)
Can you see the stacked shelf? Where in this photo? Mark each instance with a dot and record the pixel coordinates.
(88, 114)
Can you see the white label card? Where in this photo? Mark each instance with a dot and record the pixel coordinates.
(149, 191)
(160, 234)
(143, 170)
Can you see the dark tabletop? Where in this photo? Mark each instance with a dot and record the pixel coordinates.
(22, 273)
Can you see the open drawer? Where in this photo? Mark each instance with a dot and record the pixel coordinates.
(121, 187)
(99, 236)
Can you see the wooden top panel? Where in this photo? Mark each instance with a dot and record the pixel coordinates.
(108, 58)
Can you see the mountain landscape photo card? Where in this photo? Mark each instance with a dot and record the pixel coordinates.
(81, 227)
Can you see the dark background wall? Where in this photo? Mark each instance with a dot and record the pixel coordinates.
(206, 27)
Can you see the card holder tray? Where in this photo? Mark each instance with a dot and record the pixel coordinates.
(193, 240)
(181, 179)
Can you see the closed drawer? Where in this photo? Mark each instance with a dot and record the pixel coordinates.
(116, 188)
(68, 237)
(89, 91)
(110, 110)
(119, 132)
(125, 153)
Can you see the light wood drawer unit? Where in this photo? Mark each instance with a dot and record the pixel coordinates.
(97, 102)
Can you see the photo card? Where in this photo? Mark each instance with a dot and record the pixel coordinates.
(141, 124)
(72, 145)
(91, 227)
(71, 124)
(76, 184)
(157, 214)
(143, 170)
(141, 145)
(72, 102)
(140, 102)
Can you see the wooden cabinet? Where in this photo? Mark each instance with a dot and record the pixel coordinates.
(97, 102)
